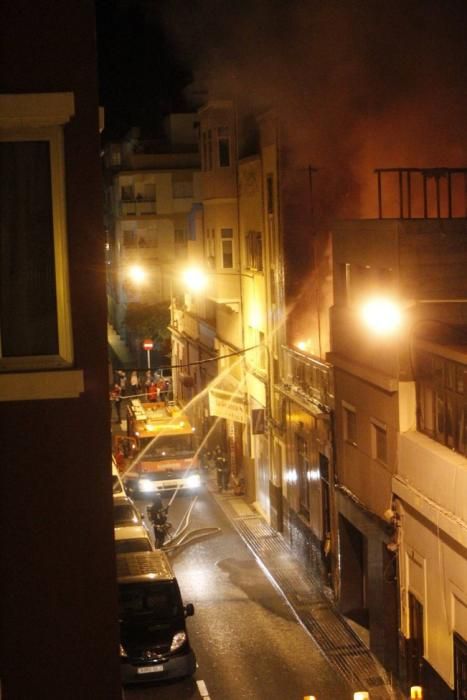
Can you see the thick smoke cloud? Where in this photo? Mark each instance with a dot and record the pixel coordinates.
(358, 84)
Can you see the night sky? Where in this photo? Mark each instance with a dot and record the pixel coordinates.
(141, 74)
(358, 82)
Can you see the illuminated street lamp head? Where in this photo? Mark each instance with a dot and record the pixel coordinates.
(195, 279)
(382, 316)
(137, 274)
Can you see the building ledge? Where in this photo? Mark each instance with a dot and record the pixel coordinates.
(367, 374)
(440, 518)
(41, 386)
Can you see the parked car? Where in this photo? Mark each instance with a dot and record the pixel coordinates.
(117, 483)
(125, 512)
(154, 643)
(132, 538)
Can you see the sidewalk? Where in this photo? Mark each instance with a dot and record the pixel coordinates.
(343, 648)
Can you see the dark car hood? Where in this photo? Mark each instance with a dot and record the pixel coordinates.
(154, 637)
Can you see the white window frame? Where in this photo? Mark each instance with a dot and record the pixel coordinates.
(227, 239)
(54, 137)
(40, 117)
(375, 426)
(346, 410)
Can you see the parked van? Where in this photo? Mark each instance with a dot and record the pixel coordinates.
(154, 642)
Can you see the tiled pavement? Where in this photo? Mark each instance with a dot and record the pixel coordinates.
(332, 634)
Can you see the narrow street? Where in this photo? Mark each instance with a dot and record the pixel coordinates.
(248, 642)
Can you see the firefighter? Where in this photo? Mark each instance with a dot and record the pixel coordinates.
(222, 469)
(158, 517)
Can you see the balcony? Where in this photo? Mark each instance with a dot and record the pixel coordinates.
(307, 378)
(137, 207)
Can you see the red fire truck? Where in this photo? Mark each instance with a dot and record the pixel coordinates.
(165, 449)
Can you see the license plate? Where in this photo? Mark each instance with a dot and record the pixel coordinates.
(150, 669)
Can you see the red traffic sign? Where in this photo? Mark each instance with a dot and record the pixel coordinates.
(148, 344)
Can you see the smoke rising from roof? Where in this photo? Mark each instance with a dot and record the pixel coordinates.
(358, 84)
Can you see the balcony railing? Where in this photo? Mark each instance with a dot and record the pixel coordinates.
(137, 207)
(307, 377)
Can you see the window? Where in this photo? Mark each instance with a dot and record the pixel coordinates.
(227, 248)
(345, 279)
(379, 442)
(115, 156)
(254, 250)
(127, 193)
(350, 424)
(223, 143)
(210, 247)
(207, 149)
(129, 238)
(441, 400)
(270, 194)
(34, 296)
(303, 464)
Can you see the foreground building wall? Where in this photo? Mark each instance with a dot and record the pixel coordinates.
(401, 525)
(431, 490)
(59, 631)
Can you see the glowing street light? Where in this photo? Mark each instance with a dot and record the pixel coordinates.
(382, 316)
(137, 274)
(416, 692)
(361, 695)
(195, 279)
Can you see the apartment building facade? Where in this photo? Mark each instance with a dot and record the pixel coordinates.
(151, 187)
(234, 318)
(400, 450)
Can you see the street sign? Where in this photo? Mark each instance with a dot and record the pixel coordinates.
(257, 421)
(226, 405)
(148, 344)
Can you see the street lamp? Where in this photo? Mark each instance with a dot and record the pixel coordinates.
(137, 274)
(195, 279)
(382, 315)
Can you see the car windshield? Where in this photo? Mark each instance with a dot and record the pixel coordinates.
(125, 514)
(159, 600)
(170, 446)
(136, 544)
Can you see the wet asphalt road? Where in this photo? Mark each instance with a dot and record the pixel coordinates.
(248, 643)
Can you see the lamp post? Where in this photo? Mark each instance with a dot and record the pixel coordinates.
(148, 346)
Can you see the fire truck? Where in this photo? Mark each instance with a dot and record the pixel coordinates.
(165, 449)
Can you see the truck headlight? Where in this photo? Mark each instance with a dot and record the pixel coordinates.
(147, 485)
(193, 481)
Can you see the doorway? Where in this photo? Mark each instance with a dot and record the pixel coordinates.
(416, 641)
(460, 667)
(354, 573)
